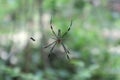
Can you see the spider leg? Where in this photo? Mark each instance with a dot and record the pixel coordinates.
(68, 29)
(49, 44)
(66, 51)
(52, 54)
(53, 47)
(52, 28)
(53, 38)
(59, 32)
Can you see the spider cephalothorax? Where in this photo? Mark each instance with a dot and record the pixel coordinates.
(59, 39)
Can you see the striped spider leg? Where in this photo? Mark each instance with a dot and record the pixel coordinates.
(65, 49)
(59, 39)
(54, 42)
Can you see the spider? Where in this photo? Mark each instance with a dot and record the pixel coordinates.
(59, 39)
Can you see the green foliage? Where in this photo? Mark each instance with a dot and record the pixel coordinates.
(7, 7)
(91, 58)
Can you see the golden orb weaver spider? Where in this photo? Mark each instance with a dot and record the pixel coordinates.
(59, 39)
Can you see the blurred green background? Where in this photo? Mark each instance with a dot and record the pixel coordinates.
(93, 41)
